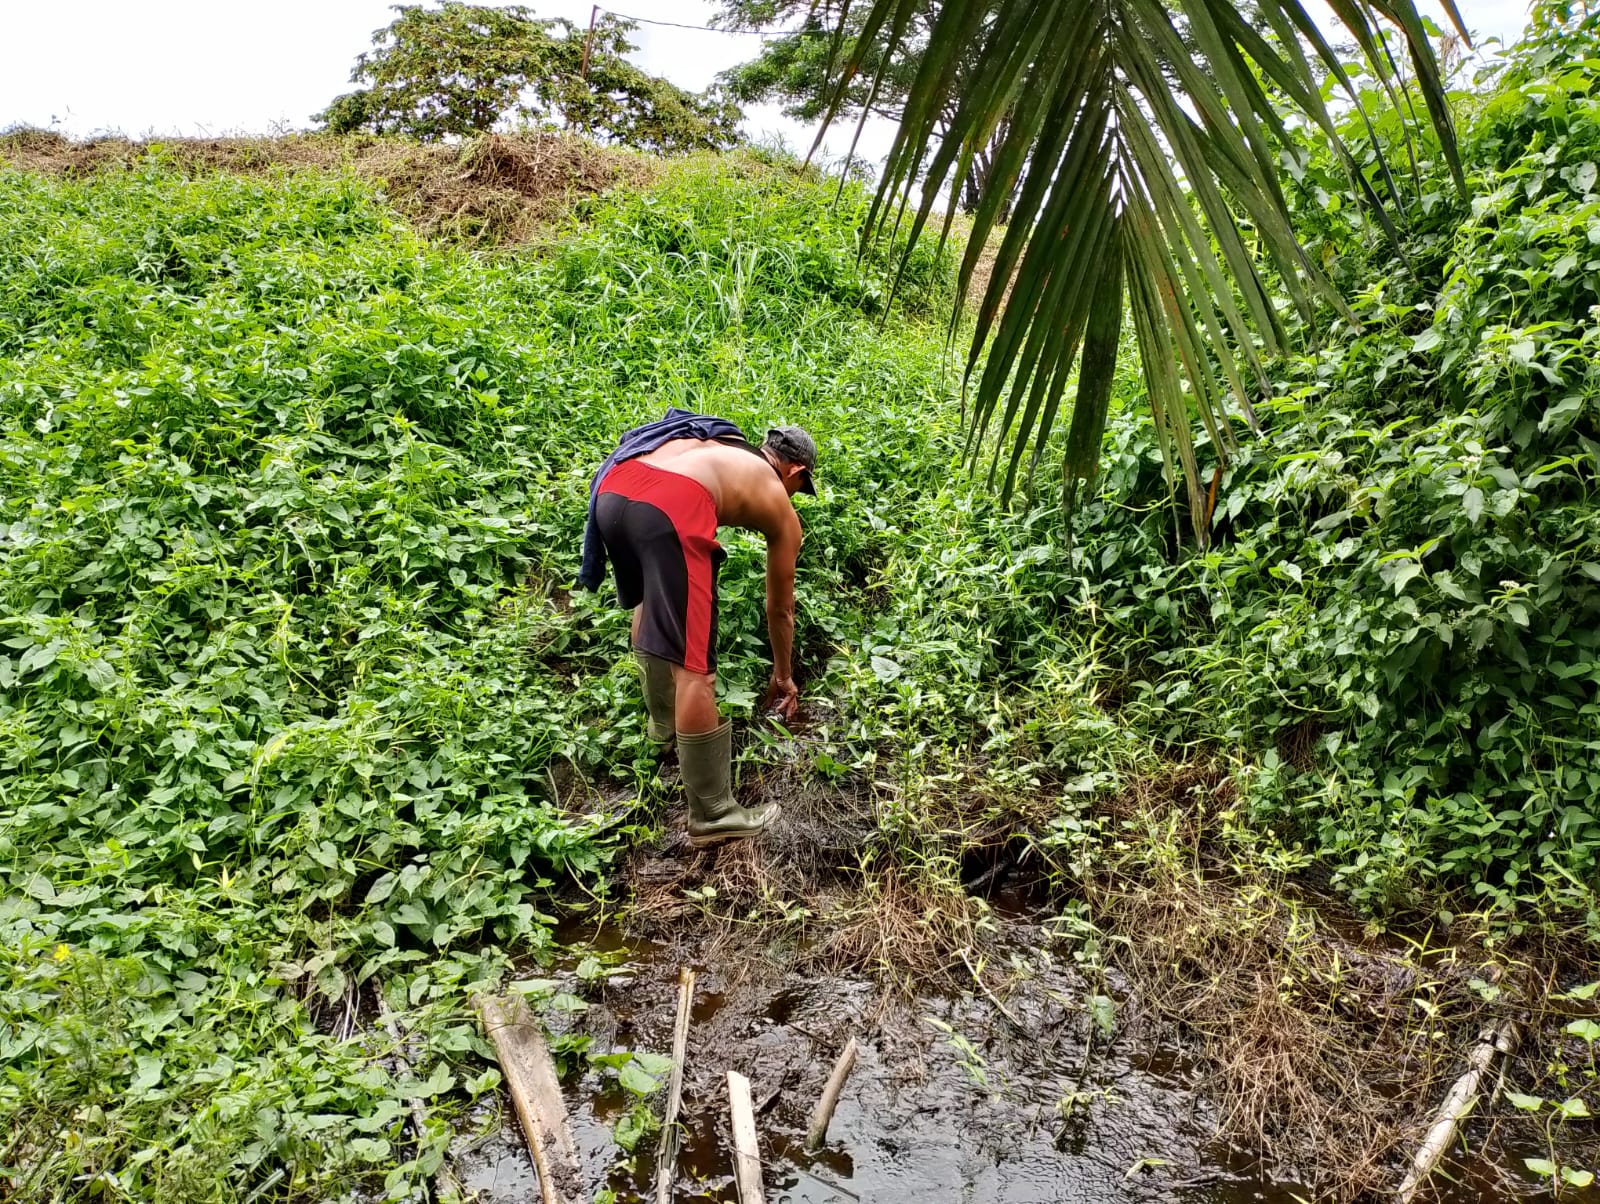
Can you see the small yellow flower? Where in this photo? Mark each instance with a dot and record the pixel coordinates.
(62, 953)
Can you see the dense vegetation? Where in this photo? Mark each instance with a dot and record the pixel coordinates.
(292, 500)
(1398, 618)
(293, 696)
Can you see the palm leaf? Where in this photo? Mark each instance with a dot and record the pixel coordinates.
(1140, 143)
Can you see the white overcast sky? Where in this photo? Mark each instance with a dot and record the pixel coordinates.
(212, 67)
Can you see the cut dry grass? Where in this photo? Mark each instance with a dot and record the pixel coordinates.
(845, 893)
(912, 930)
(494, 190)
(1326, 1050)
(1308, 1086)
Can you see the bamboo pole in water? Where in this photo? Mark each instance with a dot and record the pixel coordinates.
(1456, 1105)
(746, 1155)
(445, 1179)
(667, 1150)
(818, 1133)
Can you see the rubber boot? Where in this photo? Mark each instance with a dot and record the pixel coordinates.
(706, 761)
(660, 695)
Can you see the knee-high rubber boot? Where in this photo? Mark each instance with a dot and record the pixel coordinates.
(660, 695)
(706, 761)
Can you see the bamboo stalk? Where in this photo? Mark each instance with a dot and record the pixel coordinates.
(530, 1076)
(1457, 1103)
(667, 1150)
(419, 1112)
(746, 1154)
(823, 1114)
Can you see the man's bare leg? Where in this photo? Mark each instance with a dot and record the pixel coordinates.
(696, 706)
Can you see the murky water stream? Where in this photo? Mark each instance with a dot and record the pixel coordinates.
(1018, 1098)
(950, 1099)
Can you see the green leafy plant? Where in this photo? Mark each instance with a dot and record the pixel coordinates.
(1554, 1112)
(463, 69)
(968, 1055)
(638, 1073)
(294, 704)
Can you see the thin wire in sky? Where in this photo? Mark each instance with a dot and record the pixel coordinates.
(760, 33)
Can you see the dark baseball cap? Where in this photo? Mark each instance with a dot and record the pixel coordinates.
(796, 446)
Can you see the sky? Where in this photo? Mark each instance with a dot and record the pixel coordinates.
(216, 67)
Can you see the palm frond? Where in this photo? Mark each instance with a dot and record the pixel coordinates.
(1137, 154)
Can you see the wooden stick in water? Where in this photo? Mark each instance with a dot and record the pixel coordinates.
(1459, 1101)
(530, 1076)
(746, 1155)
(667, 1150)
(419, 1113)
(820, 1118)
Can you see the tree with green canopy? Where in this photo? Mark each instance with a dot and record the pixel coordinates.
(794, 68)
(1140, 141)
(462, 69)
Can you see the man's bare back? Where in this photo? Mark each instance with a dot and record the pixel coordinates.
(744, 487)
(748, 490)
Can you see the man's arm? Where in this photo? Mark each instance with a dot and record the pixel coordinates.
(783, 548)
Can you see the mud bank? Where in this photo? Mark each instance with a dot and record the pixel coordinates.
(1153, 1022)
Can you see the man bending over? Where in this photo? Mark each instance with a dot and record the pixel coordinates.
(654, 509)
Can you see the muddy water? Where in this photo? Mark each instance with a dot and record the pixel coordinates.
(953, 1098)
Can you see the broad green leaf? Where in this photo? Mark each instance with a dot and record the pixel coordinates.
(1104, 1011)
(533, 986)
(1404, 574)
(438, 1082)
(652, 1063)
(489, 1080)
(1585, 1028)
(370, 1149)
(148, 1075)
(1563, 414)
(636, 1079)
(331, 982)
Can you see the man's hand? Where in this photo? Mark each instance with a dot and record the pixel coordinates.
(783, 699)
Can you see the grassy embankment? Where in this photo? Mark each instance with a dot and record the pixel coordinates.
(292, 499)
(294, 701)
